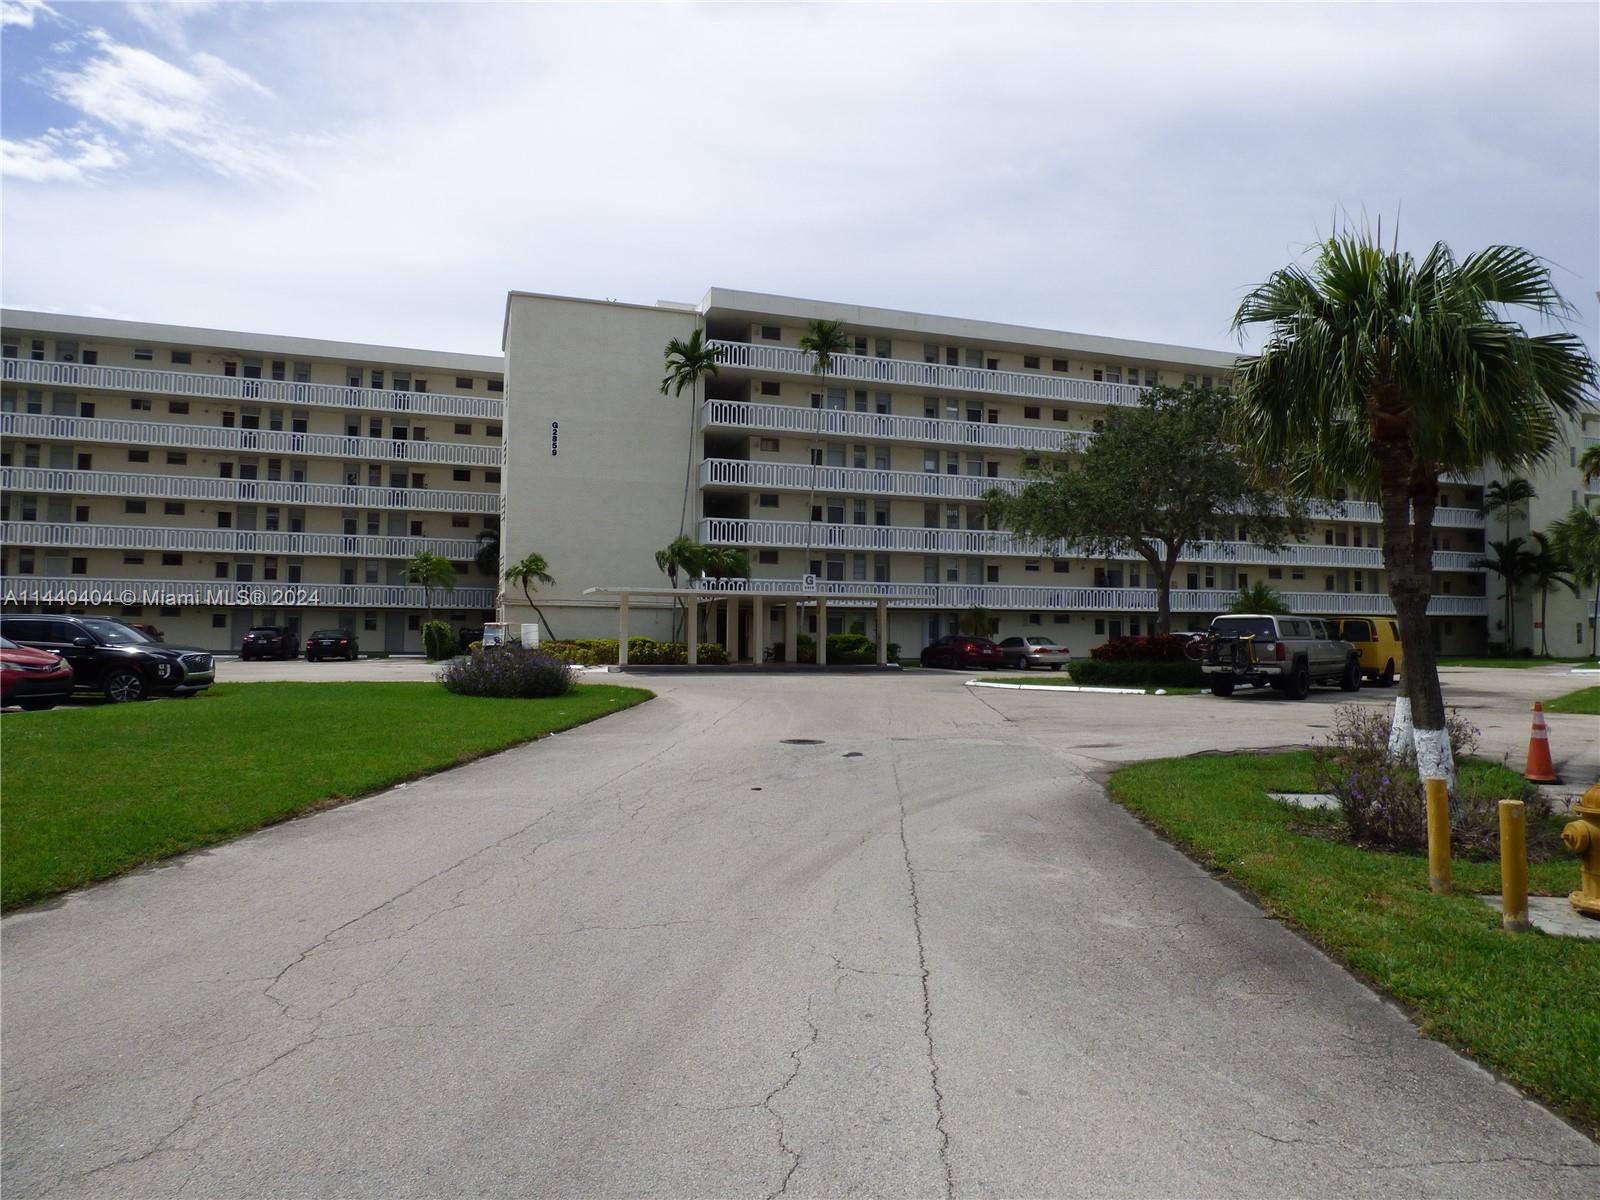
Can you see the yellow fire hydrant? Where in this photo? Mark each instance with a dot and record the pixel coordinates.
(1583, 836)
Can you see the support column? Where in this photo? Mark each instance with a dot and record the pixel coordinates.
(791, 628)
(622, 630)
(883, 633)
(822, 631)
(758, 628)
(692, 627)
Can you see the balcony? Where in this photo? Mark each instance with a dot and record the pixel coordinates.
(801, 477)
(248, 441)
(141, 381)
(1086, 599)
(802, 535)
(78, 591)
(242, 491)
(882, 427)
(899, 372)
(228, 541)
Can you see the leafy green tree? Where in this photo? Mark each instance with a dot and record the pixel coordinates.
(979, 621)
(1549, 568)
(487, 559)
(687, 362)
(824, 340)
(680, 554)
(1162, 475)
(430, 571)
(1589, 463)
(724, 562)
(1259, 598)
(1387, 372)
(530, 572)
(1513, 564)
(1576, 538)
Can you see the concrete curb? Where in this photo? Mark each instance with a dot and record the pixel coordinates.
(1065, 687)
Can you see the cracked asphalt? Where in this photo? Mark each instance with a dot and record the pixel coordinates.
(668, 955)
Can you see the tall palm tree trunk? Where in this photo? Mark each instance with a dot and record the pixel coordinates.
(816, 469)
(688, 467)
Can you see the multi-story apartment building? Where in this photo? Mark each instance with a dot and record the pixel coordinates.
(873, 479)
(204, 481)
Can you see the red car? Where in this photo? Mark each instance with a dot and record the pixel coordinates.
(962, 650)
(32, 678)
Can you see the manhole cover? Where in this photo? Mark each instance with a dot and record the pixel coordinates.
(801, 741)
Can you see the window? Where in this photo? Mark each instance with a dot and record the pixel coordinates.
(133, 506)
(1030, 362)
(491, 431)
(1099, 375)
(463, 427)
(173, 508)
(138, 456)
(81, 513)
(86, 409)
(769, 387)
(85, 462)
(767, 500)
(222, 570)
(143, 354)
(172, 560)
(80, 566)
(219, 620)
(416, 529)
(140, 404)
(1060, 414)
(461, 476)
(771, 333)
(36, 350)
(1113, 374)
(496, 385)
(1059, 364)
(1274, 572)
(91, 357)
(1061, 566)
(224, 520)
(768, 445)
(1029, 564)
(133, 558)
(488, 477)
(1099, 625)
(1133, 374)
(182, 357)
(767, 558)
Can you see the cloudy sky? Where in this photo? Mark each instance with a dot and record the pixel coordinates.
(386, 172)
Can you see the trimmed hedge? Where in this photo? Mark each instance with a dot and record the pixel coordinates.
(844, 649)
(642, 651)
(438, 640)
(1137, 674)
(507, 672)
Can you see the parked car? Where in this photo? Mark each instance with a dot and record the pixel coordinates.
(962, 650)
(269, 641)
(111, 657)
(1288, 653)
(1378, 639)
(32, 678)
(1025, 652)
(331, 643)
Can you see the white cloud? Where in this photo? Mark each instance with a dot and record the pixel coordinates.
(23, 12)
(167, 20)
(60, 156)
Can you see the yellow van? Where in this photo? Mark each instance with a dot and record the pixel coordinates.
(1378, 639)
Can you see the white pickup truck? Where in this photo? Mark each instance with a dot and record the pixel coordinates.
(1287, 653)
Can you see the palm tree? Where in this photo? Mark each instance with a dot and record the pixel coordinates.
(1259, 598)
(823, 339)
(430, 571)
(1513, 564)
(724, 562)
(530, 571)
(487, 559)
(1388, 372)
(687, 362)
(978, 621)
(1549, 566)
(1576, 538)
(1510, 497)
(680, 554)
(1589, 463)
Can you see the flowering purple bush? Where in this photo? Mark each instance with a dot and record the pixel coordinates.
(507, 671)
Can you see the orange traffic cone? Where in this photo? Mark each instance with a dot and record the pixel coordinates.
(1540, 768)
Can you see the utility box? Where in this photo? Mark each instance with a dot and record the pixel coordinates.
(530, 633)
(494, 634)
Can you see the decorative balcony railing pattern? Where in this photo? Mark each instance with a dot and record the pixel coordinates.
(141, 381)
(899, 372)
(801, 477)
(229, 541)
(83, 591)
(802, 535)
(244, 491)
(248, 441)
(884, 427)
(1080, 599)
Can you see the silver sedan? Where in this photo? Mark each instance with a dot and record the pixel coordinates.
(1025, 652)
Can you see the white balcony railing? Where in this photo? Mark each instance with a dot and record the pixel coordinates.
(248, 441)
(79, 591)
(141, 381)
(802, 535)
(884, 427)
(244, 491)
(801, 477)
(229, 541)
(1083, 599)
(899, 372)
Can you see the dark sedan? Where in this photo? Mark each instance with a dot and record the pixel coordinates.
(269, 641)
(962, 650)
(331, 643)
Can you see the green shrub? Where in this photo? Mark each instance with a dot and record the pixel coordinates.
(1156, 648)
(1157, 673)
(437, 640)
(475, 648)
(642, 651)
(847, 648)
(508, 672)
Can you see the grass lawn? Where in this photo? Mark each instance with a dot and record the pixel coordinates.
(1584, 702)
(91, 793)
(1516, 663)
(1054, 680)
(1522, 1005)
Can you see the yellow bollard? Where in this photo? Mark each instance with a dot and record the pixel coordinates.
(1514, 866)
(1438, 834)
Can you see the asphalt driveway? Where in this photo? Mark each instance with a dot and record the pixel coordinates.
(807, 935)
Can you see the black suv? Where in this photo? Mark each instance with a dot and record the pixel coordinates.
(269, 641)
(112, 657)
